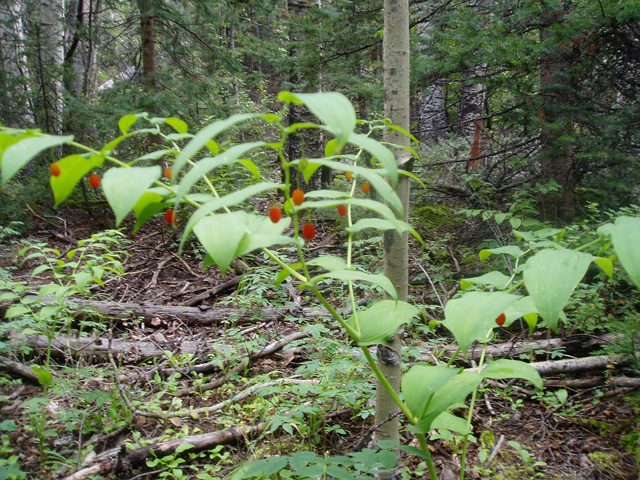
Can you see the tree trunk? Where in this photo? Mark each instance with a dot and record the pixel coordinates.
(432, 111)
(397, 108)
(305, 143)
(15, 92)
(473, 98)
(50, 63)
(557, 158)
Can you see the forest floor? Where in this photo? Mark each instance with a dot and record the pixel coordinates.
(101, 410)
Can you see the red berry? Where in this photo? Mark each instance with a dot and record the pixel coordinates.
(170, 216)
(275, 214)
(94, 180)
(298, 196)
(342, 210)
(366, 187)
(55, 170)
(309, 231)
(348, 175)
(168, 173)
(501, 319)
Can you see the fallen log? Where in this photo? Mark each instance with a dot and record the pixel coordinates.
(19, 369)
(199, 442)
(188, 315)
(64, 346)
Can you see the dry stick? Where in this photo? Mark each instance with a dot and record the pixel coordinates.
(192, 302)
(494, 452)
(154, 278)
(18, 368)
(199, 442)
(239, 397)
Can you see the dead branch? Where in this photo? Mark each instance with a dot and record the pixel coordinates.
(198, 442)
(189, 315)
(19, 369)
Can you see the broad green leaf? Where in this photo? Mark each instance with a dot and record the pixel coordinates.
(125, 123)
(453, 423)
(524, 308)
(330, 149)
(230, 235)
(17, 155)
(472, 316)
(625, 237)
(381, 224)
(454, 391)
(16, 311)
(380, 152)
(329, 262)
(205, 135)
(333, 109)
(501, 369)
(512, 250)
(72, 169)
(251, 167)
(381, 321)
(354, 275)
(123, 187)
(375, 179)
(551, 276)
(605, 264)
(263, 233)
(373, 205)
(310, 168)
(204, 166)
(45, 377)
(150, 203)
(420, 383)
(178, 125)
(227, 201)
(284, 273)
(158, 154)
(495, 279)
(302, 459)
(220, 235)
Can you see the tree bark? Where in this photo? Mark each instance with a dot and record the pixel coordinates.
(156, 315)
(473, 98)
(397, 110)
(15, 93)
(557, 155)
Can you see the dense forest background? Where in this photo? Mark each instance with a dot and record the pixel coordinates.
(536, 98)
(124, 356)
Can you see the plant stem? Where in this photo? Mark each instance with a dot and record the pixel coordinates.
(425, 448)
(465, 441)
(387, 386)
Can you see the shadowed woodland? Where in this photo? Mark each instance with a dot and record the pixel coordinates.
(319, 239)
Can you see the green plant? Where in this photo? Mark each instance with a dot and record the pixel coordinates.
(539, 283)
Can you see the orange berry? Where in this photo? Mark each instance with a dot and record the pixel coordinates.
(501, 319)
(309, 231)
(348, 175)
(170, 216)
(342, 210)
(366, 187)
(298, 196)
(168, 173)
(94, 180)
(275, 214)
(55, 170)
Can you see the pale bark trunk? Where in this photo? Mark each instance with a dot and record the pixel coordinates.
(51, 58)
(15, 93)
(397, 110)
